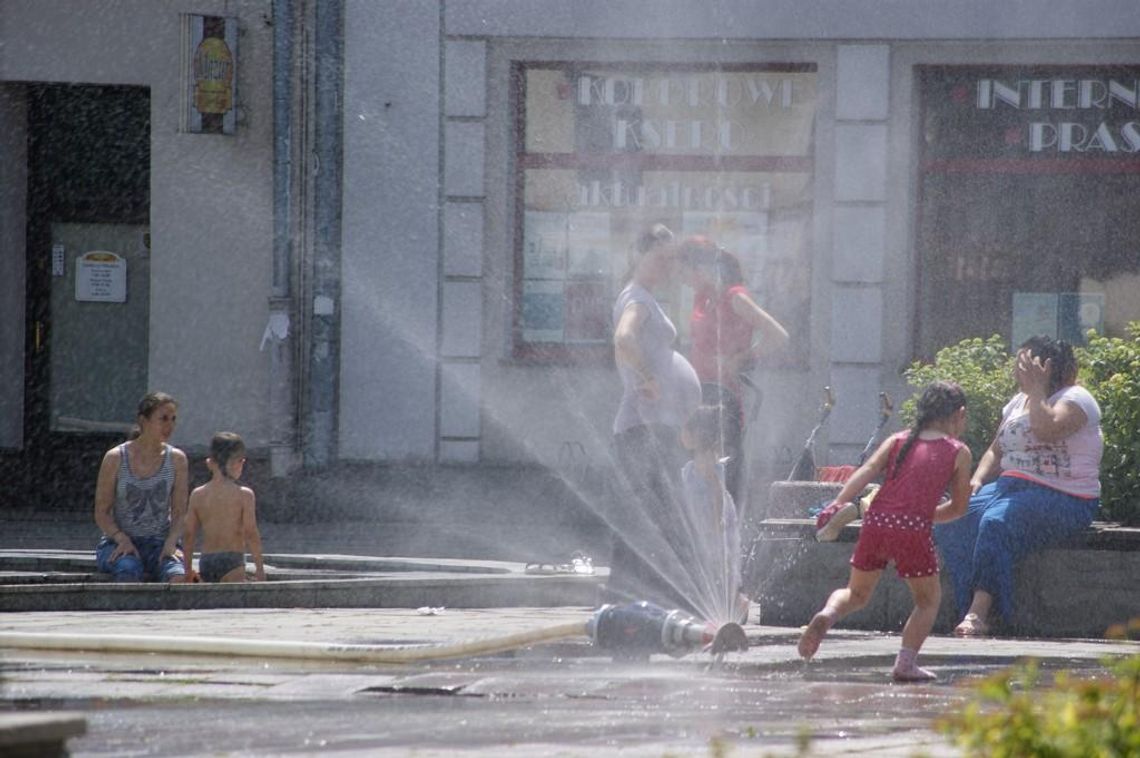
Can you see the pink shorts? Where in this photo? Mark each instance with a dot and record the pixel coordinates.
(912, 551)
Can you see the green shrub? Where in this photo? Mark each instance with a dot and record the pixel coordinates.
(1110, 370)
(984, 370)
(1011, 716)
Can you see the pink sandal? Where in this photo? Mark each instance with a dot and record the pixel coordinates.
(972, 626)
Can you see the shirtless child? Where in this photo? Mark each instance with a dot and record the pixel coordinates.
(224, 512)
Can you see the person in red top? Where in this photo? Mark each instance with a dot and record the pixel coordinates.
(917, 467)
(723, 328)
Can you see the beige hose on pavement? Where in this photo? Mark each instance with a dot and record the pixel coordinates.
(225, 646)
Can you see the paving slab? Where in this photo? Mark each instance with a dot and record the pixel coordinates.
(565, 698)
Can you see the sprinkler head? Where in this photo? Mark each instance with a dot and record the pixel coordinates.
(730, 638)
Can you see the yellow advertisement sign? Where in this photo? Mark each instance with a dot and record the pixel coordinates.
(213, 76)
(209, 74)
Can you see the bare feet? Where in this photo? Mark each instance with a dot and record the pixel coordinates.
(906, 668)
(813, 634)
(912, 673)
(972, 626)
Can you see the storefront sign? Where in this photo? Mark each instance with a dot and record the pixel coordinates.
(1056, 104)
(1072, 112)
(209, 74)
(100, 277)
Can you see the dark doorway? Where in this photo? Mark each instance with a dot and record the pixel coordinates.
(88, 287)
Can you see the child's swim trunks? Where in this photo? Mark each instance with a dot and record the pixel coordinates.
(213, 566)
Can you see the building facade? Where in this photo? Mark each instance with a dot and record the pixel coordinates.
(422, 274)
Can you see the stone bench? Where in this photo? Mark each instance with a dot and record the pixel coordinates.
(1075, 590)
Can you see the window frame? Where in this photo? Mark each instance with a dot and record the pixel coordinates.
(520, 161)
(929, 164)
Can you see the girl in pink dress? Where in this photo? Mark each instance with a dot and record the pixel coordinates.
(917, 467)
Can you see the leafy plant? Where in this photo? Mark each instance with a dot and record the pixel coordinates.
(984, 370)
(1110, 370)
(1010, 715)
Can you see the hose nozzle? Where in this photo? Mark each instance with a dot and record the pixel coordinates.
(643, 628)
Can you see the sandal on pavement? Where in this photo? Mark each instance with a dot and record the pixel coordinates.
(972, 626)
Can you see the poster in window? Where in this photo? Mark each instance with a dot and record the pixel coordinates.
(1077, 312)
(542, 307)
(587, 312)
(1064, 315)
(589, 253)
(745, 235)
(1033, 313)
(546, 238)
(100, 277)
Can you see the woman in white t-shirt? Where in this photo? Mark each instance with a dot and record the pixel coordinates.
(652, 553)
(1036, 485)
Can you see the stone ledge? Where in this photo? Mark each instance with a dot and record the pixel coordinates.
(39, 734)
(1102, 535)
(1077, 590)
(28, 582)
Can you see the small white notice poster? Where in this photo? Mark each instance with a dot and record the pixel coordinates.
(100, 277)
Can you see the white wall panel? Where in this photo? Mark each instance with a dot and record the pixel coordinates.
(459, 401)
(862, 82)
(462, 319)
(463, 159)
(465, 82)
(390, 259)
(463, 239)
(860, 162)
(856, 325)
(859, 237)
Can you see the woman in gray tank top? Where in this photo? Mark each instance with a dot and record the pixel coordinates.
(140, 499)
(651, 557)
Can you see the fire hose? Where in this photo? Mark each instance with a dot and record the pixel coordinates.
(639, 628)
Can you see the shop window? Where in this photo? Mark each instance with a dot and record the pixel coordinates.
(605, 150)
(1027, 216)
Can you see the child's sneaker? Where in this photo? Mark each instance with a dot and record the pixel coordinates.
(831, 520)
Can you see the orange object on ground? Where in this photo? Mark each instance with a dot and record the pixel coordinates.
(835, 474)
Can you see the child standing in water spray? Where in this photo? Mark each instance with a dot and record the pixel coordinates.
(917, 467)
(225, 512)
(713, 518)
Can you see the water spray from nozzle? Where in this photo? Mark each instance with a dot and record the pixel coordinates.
(641, 628)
